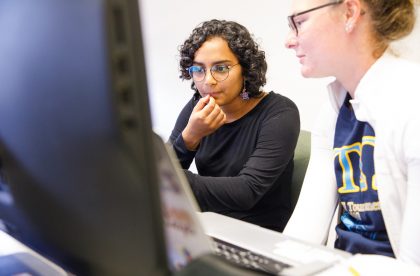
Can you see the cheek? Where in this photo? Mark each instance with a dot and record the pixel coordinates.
(315, 46)
(236, 83)
(233, 89)
(199, 87)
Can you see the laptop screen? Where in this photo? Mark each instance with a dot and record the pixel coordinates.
(185, 237)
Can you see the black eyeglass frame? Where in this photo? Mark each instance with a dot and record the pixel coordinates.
(291, 18)
(229, 67)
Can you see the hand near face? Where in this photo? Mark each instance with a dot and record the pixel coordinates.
(206, 117)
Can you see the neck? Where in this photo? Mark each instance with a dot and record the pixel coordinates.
(358, 55)
(357, 62)
(240, 107)
(354, 72)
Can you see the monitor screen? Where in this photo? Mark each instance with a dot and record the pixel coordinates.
(78, 171)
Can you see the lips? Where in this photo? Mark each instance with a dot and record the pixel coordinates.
(300, 57)
(212, 94)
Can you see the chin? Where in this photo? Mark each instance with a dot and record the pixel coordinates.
(310, 73)
(306, 73)
(220, 103)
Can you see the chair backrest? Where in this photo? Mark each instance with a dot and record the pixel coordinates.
(301, 160)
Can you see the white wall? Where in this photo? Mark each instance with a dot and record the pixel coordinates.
(167, 23)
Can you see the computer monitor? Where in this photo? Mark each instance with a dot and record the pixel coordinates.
(79, 182)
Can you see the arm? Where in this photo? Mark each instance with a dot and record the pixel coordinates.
(315, 208)
(272, 153)
(410, 239)
(184, 155)
(204, 118)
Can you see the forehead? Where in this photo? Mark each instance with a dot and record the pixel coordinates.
(213, 50)
(302, 5)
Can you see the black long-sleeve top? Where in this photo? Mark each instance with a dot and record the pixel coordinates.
(245, 167)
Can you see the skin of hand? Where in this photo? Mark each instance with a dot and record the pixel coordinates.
(206, 118)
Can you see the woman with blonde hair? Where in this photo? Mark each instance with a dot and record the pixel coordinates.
(365, 154)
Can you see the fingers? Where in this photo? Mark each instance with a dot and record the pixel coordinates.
(209, 107)
(219, 120)
(206, 117)
(215, 113)
(202, 103)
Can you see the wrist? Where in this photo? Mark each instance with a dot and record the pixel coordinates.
(191, 143)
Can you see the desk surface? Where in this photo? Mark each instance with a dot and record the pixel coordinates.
(236, 231)
(30, 261)
(215, 224)
(9, 245)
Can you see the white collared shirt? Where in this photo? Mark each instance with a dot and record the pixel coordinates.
(388, 98)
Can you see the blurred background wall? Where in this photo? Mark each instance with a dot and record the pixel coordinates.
(167, 23)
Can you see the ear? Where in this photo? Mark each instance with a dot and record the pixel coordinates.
(353, 12)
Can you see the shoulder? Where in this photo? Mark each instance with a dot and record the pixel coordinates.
(275, 105)
(279, 102)
(272, 110)
(390, 84)
(279, 112)
(390, 72)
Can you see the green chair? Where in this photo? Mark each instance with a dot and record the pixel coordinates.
(301, 160)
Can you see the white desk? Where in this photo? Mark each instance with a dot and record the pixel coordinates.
(259, 239)
(10, 245)
(30, 259)
(216, 225)
(369, 265)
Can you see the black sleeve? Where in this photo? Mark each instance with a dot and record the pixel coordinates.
(184, 155)
(273, 152)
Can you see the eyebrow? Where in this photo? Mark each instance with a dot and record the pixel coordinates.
(214, 63)
(299, 14)
(316, 8)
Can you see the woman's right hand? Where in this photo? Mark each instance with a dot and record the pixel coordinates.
(206, 118)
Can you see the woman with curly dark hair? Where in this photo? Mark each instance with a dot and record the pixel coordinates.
(242, 138)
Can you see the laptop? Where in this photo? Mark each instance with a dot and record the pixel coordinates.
(191, 233)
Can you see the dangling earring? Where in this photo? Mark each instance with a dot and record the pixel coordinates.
(348, 27)
(244, 94)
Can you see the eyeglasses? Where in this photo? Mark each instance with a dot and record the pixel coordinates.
(220, 72)
(295, 26)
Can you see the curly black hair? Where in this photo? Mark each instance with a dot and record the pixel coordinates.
(241, 43)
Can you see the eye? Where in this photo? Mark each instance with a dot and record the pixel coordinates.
(220, 68)
(195, 69)
(299, 22)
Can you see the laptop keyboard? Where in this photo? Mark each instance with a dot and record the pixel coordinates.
(248, 259)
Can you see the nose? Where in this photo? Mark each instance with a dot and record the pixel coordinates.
(291, 40)
(208, 78)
